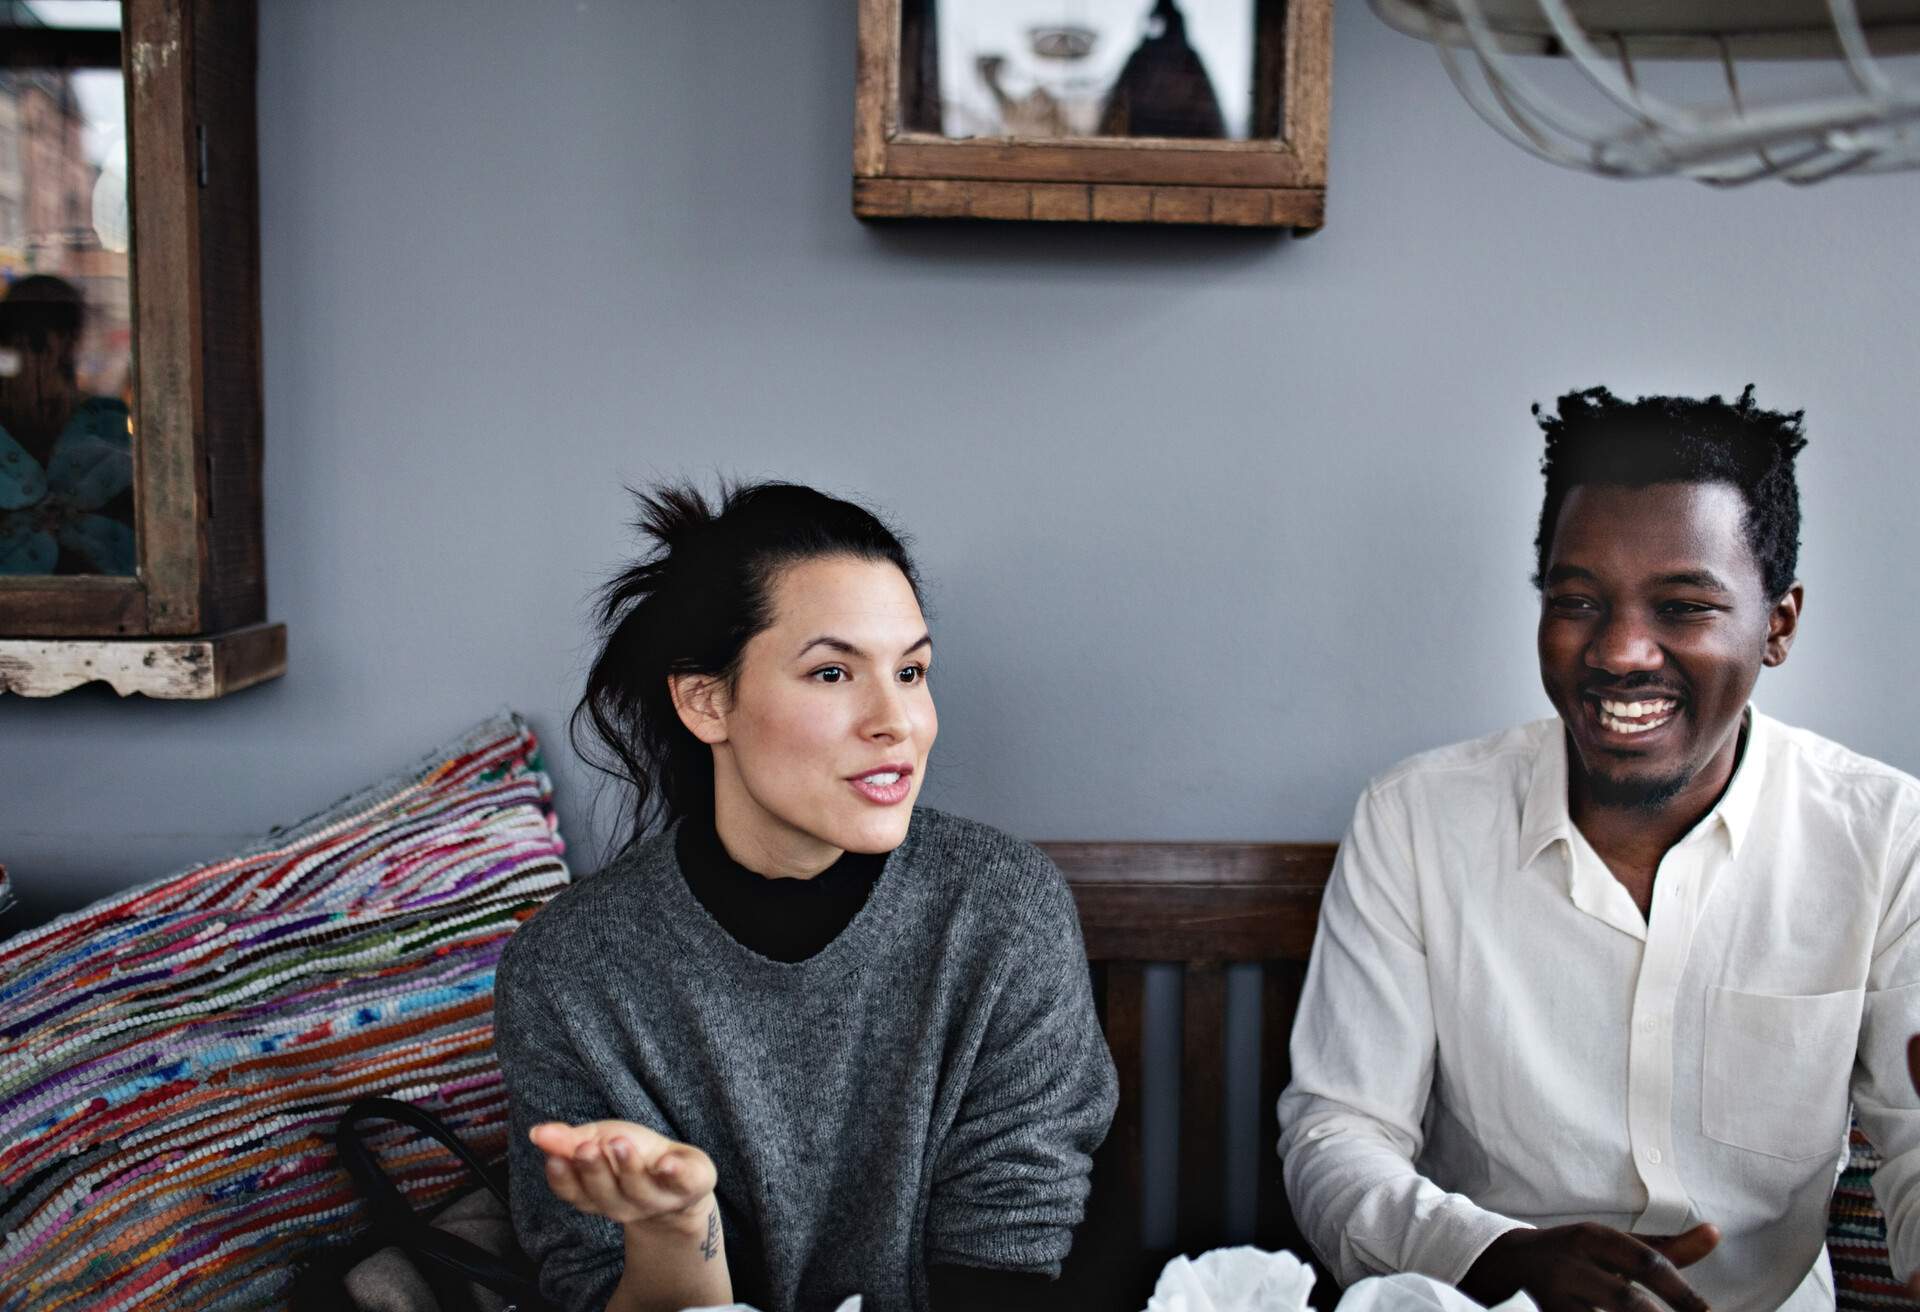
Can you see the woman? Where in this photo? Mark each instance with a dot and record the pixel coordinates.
(802, 1039)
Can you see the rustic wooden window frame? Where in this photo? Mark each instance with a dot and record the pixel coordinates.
(1278, 182)
(199, 593)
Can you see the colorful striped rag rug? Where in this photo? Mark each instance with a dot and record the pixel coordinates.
(1857, 1237)
(173, 1059)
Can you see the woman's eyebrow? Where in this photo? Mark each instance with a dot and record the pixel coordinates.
(831, 643)
(845, 648)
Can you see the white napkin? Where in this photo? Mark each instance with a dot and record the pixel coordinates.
(1233, 1280)
(1408, 1293)
(1252, 1280)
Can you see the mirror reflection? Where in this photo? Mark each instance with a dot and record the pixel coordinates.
(1079, 68)
(66, 315)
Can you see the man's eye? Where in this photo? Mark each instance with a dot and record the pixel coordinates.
(1686, 608)
(1570, 604)
(911, 673)
(830, 673)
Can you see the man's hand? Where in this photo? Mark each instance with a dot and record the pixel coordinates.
(1591, 1266)
(626, 1172)
(1913, 1073)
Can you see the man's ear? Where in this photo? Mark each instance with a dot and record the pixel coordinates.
(701, 701)
(1783, 623)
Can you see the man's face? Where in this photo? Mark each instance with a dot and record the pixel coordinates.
(1653, 627)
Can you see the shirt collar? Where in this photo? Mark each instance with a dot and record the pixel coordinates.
(1742, 798)
(1544, 817)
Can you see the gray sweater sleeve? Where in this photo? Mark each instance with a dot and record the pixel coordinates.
(1011, 1176)
(580, 1258)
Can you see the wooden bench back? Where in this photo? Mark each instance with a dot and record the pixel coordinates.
(1200, 907)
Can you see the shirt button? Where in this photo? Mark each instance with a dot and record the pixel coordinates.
(1653, 1155)
(1650, 1024)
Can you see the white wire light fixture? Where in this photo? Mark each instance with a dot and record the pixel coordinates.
(1572, 81)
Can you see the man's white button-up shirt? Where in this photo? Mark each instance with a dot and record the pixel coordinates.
(1493, 1035)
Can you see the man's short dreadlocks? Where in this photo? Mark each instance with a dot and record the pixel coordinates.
(1595, 437)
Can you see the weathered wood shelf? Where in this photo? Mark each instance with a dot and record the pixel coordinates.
(196, 668)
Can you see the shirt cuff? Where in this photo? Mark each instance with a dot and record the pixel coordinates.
(1447, 1243)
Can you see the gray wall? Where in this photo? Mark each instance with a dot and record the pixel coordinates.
(1217, 524)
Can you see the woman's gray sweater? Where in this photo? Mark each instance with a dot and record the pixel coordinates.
(927, 1089)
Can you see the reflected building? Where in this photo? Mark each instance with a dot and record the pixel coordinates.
(56, 177)
(47, 187)
(13, 185)
(66, 335)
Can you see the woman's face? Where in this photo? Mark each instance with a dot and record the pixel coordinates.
(820, 746)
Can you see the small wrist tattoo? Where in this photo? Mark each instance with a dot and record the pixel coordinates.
(710, 1246)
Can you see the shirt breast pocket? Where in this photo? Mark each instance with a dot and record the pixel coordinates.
(1776, 1071)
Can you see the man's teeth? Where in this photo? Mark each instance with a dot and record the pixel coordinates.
(1634, 710)
(1626, 717)
(884, 778)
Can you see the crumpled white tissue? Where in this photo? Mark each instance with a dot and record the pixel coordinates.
(1409, 1293)
(1233, 1280)
(1254, 1280)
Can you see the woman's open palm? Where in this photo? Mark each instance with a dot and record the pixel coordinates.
(622, 1171)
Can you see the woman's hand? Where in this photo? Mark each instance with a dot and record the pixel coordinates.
(627, 1173)
(661, 1194)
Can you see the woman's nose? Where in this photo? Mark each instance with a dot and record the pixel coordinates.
(886, 719)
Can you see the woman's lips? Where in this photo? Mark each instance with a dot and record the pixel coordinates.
(884, 787)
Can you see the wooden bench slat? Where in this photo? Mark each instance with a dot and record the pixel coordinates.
(1280, 984)
(1126, 1038)
(1201, 1214)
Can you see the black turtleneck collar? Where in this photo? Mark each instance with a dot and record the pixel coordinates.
(781, 919)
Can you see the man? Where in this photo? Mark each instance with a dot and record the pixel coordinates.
(1590, 996)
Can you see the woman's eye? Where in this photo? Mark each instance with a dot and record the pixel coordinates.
(1570, 605)
(912, 673)
(830, 673)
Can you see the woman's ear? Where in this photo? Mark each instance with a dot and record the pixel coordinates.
(701, 701)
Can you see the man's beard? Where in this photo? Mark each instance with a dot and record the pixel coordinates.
(1639, 794)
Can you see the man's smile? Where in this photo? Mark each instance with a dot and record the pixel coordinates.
(1641, 714)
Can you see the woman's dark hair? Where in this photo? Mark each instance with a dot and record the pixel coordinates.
(689, 606)
(1596, 437)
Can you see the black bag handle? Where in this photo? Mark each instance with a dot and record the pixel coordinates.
(395, 1219)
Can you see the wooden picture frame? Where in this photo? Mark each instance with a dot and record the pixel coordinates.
(1277, 179)
(196, 605)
